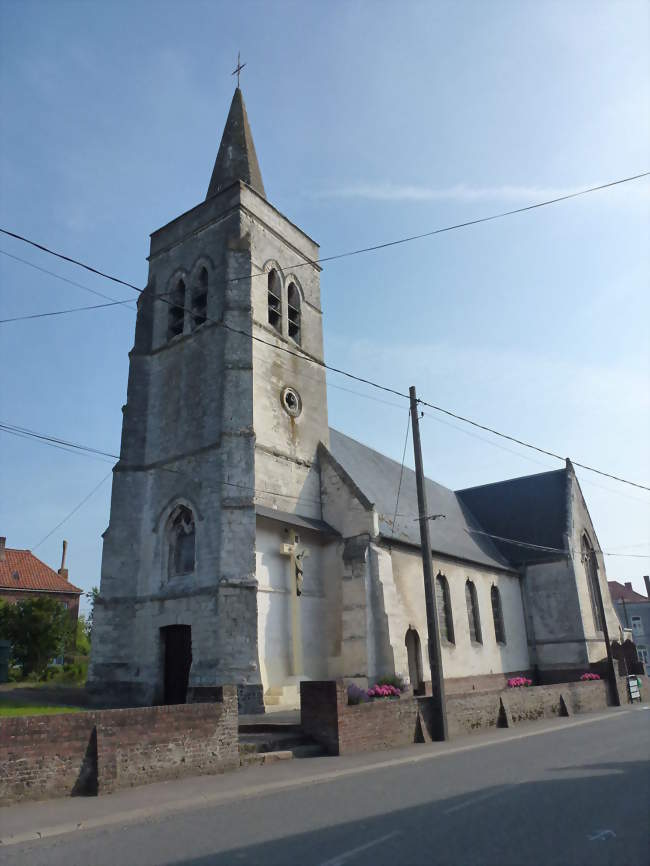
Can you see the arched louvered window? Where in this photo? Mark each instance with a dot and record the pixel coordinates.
(591, 568)
(443, 603)
(200, 300)
(293, 311)
(181, 541)
(473, 616)
(176, 311)
(497, 615)
(274, 300)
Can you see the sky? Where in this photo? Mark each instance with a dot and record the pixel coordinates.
(372, 121)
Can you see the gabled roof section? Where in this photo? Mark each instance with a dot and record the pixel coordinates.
(377, 477)
(236, 159)
(21, 570)
(624, 592)
(531, 510)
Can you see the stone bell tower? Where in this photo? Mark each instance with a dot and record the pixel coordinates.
(224, 414)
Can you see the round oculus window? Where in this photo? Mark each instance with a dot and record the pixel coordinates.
(291, 402)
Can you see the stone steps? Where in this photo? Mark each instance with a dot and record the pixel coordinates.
(265, 743)
(287, 696)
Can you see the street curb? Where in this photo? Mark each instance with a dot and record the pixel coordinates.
(134, 815)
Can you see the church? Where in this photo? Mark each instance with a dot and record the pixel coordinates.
(250, 543)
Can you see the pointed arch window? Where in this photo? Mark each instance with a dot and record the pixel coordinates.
(497, 615)
(274, 300)
(176, 314)
(293, 310)
(181, 542)
(200, 300)
(473, 615)
(443, 603)
(591, 569)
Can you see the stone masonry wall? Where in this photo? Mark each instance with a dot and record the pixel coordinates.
(101, 751)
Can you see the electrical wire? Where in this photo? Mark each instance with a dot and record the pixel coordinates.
(63, 312)
(73, 447)
(58, 276)
(310, 359)
(401, 471)
(74, 511)
(543, 548)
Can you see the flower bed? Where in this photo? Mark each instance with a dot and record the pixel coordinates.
(588, 677)
(519, 682)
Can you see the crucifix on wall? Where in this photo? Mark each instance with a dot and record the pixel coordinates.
(296, 555)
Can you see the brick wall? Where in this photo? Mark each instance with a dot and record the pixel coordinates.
(342, 729)
(98, 752)
(387, 724)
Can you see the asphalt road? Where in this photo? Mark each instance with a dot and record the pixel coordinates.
(573, 795)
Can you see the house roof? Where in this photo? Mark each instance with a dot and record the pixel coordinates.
(531, 509)
(378, 478)
(236, 158)
(624, 592)
(21, 570)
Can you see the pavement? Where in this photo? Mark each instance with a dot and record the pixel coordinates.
(553, 792)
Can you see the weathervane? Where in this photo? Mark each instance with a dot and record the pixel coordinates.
(238, 69)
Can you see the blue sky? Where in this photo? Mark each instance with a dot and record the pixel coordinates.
(372, 121)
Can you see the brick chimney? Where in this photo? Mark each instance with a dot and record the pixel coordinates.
(646, 578)
(628, 584)
(3, 542)
(63, 571)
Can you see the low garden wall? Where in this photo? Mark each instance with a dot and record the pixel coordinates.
(386, 724)
(100, 751)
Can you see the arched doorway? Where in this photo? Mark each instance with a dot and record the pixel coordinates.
(414, 652)
(177, 646)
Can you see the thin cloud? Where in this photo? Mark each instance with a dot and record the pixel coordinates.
(458, 192)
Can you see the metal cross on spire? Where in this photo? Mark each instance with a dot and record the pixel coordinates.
(238, 68)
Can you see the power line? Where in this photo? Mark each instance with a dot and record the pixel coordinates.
(58, 276)
(543, 548)
(462, 225)
(528, 445)
(74, 511)
(360, 251)
(74, 447)
(63, 312)
(316, 361)
(401, 471)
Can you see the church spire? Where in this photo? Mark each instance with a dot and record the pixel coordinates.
(236, 159)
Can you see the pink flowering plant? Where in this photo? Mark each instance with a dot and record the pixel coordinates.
(385, 691)
(519, 682)
(589, 676)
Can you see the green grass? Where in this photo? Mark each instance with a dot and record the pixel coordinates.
(13, 709)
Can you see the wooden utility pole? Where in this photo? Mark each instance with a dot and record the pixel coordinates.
(433, 631)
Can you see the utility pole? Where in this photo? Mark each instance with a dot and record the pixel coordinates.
(433, 632)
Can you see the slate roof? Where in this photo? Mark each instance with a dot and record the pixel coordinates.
(531, 509)
(236, 159)
(624, 592)
(32, 574)
(377, 477)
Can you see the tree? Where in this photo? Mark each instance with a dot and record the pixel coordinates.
(38, 629)
(82, 643)
(92, 597)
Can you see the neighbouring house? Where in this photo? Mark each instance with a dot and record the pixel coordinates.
(250, 543)
(633, 611)
(23, 576)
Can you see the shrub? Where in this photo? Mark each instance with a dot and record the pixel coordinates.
(395, 681)
(519, 682)
(589, 676)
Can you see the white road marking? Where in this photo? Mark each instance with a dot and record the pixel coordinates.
(602, 835)
(479, 799)
(348, 855)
